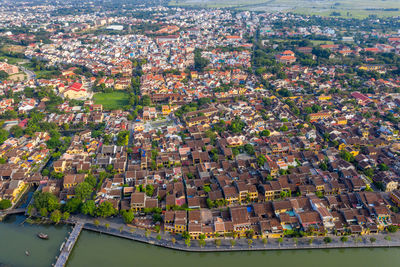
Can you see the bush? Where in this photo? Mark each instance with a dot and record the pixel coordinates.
(392, 228)
(5, 204)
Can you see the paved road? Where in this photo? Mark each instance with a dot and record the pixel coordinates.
(30, 74)
(119, 229)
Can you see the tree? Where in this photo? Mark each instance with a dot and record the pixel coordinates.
(185, 235)
(237, 125)
(173, 240)
(199, 62)
(105, 209)
(43, 212)
(392, 228)
(83, 190)
(344, 239)
(383, 167)
(218, 242)
(65, 216)
(3, 75)
(147, 233)
(5, 204)
(283, 128)
(233, 242)
(149, 190)
(265, 133)
(128, 216)
(202, 243)
(96, 223)
(56, 216)
(73, 205)
(88, 208)
(249, 149)
(90, 179)
(107, 225)
(388, 238)
(249, 242)
(296, 241)
(280, 241)
(146, 101)
(187, 242)
(310, 241)
(16, 131)
(327, 240)
(3, 136)
(123, 138)
(372, 239)
(121, 228)
(265, 241)
(45, 200)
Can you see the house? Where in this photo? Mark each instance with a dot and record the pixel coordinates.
(286, 57)
(76, 91)
(138, 200)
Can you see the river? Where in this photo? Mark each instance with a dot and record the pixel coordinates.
(94, 249)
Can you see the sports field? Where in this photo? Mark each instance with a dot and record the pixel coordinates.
(112, 101)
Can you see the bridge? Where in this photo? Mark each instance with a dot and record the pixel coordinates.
(13, 211)
(66, 248)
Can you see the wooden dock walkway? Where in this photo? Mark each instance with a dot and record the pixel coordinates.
(69, 245)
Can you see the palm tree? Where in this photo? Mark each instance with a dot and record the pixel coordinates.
(218, 242)
(187, 242)
(235, 235)
(265, 241)
(280, 241)
(147, 233)
(202, 243)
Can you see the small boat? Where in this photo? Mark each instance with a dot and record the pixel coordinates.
(26, 253)
(43, 236)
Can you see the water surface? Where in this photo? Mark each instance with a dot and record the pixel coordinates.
(93, 249)
(15, 239)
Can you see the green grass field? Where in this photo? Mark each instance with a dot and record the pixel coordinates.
(320, 42)
(112, 101)
(347, 8)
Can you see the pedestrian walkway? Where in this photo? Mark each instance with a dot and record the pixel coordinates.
(69, 245)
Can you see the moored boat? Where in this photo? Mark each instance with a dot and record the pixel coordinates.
(43, 236)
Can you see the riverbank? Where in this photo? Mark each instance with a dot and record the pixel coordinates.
(243, 245)
(99, 247)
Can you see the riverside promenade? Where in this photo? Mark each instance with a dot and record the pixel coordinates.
(69, 245)
(165, 240)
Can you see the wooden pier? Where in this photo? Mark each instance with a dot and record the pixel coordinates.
(69, 245)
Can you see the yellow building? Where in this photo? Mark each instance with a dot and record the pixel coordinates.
(59, 165)
(324, 97)
(166, 110)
